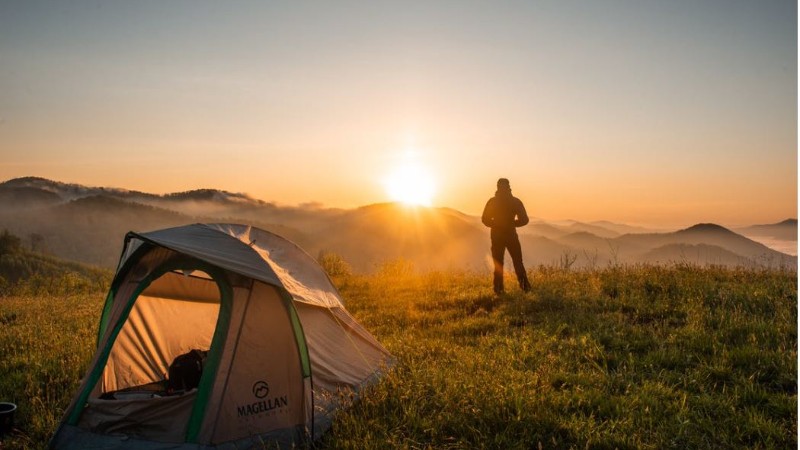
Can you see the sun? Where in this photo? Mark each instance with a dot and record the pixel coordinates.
(411, 184)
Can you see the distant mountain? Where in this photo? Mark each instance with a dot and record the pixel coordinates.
(91, 229)
(558, 230)
(786, 230)
(24, 197)
(429, 237)
(620, 228)
(214, 195)
(88, 224)
(55, 190)
(713, 234)
(599, 231)
(207, 203)
(703, 243)
(68, 191)
(780, 236)
(603, 229)
(708, 234)
(538, 250)
(700, 254)
(545, 230)
(584, 240)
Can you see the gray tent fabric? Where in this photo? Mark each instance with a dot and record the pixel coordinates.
(280, 347)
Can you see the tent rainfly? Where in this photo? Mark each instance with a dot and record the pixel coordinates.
(218, 336)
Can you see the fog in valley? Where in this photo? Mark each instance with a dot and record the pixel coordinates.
(89, 224)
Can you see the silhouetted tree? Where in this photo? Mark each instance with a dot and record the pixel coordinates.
(9, 243)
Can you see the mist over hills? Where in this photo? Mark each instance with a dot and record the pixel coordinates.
(87, 224)
(786, 230)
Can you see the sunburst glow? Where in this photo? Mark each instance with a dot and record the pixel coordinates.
(411, 184)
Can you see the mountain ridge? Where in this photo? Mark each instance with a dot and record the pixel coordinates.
(430, 237)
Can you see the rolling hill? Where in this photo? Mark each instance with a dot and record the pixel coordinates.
(780, 236)
(786, 230)
(22, 197)
(88, 224)
(25, 271)
(429, 237)
(700, 254)
(705, 234)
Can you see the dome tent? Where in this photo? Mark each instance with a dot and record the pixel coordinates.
(279, 347)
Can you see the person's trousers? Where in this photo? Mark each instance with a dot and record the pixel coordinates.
(500, 243)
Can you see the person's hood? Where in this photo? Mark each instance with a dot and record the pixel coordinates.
(502, 193)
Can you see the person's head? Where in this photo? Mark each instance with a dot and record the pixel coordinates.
(503, 184)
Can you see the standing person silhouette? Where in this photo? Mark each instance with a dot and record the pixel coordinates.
(503, 214)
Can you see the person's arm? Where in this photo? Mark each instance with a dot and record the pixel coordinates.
(488, 214)
(522, 215)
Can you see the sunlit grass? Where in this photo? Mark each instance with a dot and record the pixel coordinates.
(644, 357)
(622, 357)
(45, 347)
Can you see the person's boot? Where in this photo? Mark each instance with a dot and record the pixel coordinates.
(497, 282)
(524, 284)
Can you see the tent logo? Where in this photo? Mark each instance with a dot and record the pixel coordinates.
(264, 403)
(260, 389)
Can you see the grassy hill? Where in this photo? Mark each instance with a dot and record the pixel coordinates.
(625, 357)
(26, 272)
(644, 357)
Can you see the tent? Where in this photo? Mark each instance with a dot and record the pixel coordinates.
(274, 350)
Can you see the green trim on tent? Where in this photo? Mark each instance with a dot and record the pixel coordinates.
(98, 368)
(299, 335)
(214, 358)
(179, 263)
(106, 313)
(112, 292)
(302, 346)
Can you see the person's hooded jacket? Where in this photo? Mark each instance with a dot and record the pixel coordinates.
(504, 212)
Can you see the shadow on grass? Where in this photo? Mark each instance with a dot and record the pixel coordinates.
(482, 304)
(546, 311)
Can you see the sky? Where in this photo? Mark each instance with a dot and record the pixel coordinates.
(646, 112)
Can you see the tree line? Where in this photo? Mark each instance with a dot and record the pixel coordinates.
(25, 271)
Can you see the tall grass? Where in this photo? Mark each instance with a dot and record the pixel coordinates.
(623, 357)
(45, 347)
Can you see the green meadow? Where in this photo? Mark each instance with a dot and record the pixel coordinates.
(629, 357)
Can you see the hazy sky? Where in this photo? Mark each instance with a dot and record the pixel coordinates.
(657, 112)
